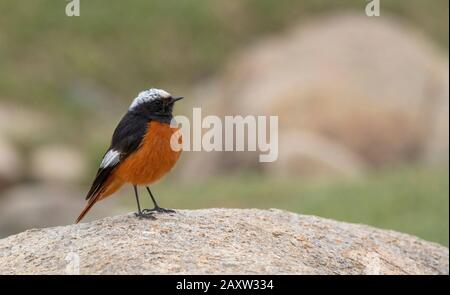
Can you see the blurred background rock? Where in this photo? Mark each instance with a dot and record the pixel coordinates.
(362, 104)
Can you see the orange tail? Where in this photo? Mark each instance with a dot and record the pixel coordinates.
(86, 209)
(110, 188)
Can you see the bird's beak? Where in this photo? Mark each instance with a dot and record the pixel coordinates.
(174, 99)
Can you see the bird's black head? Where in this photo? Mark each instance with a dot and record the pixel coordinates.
(155, 104)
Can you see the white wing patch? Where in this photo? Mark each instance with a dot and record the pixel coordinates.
(111, 158)
(148, 95)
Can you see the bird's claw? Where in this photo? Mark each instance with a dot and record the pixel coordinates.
(145, 215)
(159, 210)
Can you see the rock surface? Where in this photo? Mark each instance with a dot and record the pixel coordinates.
(346, 102)
(219, 241)
(10, 164)
(57, 164)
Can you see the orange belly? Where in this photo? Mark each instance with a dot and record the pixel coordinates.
(152, 160)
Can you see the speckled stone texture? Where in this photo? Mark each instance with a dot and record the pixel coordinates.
(219, 241)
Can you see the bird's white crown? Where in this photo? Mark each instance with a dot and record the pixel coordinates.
(148, 95)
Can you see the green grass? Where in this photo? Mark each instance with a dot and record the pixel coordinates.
(414, 201)
(117, 47)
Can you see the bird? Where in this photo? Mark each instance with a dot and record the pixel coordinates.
(140, 152)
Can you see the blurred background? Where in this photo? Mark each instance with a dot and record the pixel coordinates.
(363, 105)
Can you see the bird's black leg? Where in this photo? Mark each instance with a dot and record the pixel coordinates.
(157, 208)
(141, 214)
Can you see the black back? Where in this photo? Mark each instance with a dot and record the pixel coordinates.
(129, 133)
(126, 139)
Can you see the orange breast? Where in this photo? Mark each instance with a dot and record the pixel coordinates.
(153, 159)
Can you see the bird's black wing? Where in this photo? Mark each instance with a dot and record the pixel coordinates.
(126, 139)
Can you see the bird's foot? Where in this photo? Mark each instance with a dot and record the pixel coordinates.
(145, 215)
(159, 210)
